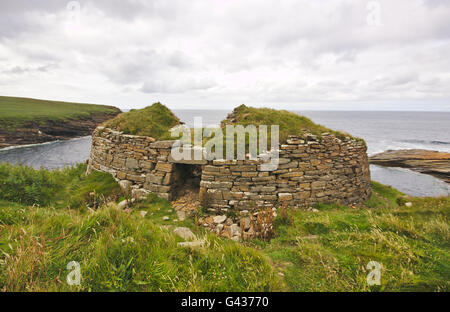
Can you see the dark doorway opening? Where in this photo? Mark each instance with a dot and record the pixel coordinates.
(186, 186)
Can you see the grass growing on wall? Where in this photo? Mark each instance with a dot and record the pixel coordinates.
(154, 121)
(290, 123)
(323, 250)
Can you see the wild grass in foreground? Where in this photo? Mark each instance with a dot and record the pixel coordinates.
(117, 249)
(326, 249)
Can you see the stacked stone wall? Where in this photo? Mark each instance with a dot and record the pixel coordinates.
(138, 159)
(310, 170)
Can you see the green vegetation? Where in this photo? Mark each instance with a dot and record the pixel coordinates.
(69, 187)
(16, 112)
(154, 121)
(329, 250)
(326, 249)
(290, 123)
(117, 249)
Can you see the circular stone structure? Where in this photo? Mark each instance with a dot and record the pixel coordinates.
(325, 168)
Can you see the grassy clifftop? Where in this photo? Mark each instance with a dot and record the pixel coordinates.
(30, 121)
(17, 111)
(154, 121)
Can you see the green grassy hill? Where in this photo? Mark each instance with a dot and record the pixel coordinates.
(16, 111)
(49, 218)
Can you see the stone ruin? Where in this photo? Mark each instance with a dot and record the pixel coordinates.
(233, 192)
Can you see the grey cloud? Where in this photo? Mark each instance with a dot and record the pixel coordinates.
(159, 85)
(18, 70)
(263, 51)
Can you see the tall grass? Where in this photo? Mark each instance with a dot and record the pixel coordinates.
(326, 249)
(66, 187)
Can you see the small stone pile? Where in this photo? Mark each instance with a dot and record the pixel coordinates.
(245, 226)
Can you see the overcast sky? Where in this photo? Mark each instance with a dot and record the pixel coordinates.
(336, 54)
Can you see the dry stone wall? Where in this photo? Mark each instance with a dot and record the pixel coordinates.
(310, 170)
(138, 159)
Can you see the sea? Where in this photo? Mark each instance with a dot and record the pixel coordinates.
(382, 131)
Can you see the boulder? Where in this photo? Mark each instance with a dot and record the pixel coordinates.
(125, 185)
(181, 215)
(123, 204)
(184, 233)
(219, 219)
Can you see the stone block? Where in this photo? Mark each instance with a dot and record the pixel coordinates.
(285, 196)
(165, 167)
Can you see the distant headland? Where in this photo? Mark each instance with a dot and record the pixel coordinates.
(31, 121)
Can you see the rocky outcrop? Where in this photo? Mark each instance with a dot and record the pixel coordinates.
(34, 132)
(424, 161)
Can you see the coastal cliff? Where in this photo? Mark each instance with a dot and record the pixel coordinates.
(29, 121)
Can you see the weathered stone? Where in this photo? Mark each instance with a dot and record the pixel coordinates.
(184, 233)
(191, 244)
(181, 215)
(155, 178)
(123, 204)
(132, 163)
(136, 178)
(121, 175)
(125, 185)
(165, 167)
(219, 219)
(139, 193)
(162, 144)
(235, 230)
(318, 184)
(246, 222)
(284, 196)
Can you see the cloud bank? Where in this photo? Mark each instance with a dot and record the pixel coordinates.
(217, 54)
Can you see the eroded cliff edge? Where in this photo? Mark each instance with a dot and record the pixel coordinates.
(41, 131)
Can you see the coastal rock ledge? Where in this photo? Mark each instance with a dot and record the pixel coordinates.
(425, 161)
